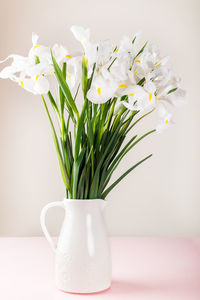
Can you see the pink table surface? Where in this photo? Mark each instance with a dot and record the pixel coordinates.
(143, 269)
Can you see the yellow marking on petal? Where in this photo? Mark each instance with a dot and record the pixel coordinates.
(130, 95)
(150, 97)
(99, 91)
(135, 73)
(36, 78)
(166, 121)
(158, 63)
(68, 56)
(138, 61)
(22, 84)
(122, 85)
(115, 50)
(68, 76)
(36, 47)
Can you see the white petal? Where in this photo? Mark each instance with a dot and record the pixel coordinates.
(42, 52)
(177, 98)
(81, 34)
(163, 125)
(16, 59)
(91, 54)
(101, 90)
(129, 106)
(105, 51)
(27, 84)
(150, 87)
(8, 72)
(9, 56)
(131, 77)
(162, 111)
(59, 52)
(35, 38)
(139, 98)
(73, 71)
(20, 62)
(165, 118)
(38, 69)
(41, 86)
(125, 45)
(119, 69)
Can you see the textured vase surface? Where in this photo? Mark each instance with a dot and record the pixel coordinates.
(82, 262)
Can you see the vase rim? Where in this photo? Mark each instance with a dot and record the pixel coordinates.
(81, 200)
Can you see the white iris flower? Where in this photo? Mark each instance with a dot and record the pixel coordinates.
(131, 71)
(165, 119)
(101, 90)
(139, 98)
(90, 49)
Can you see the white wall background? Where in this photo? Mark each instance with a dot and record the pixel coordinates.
(161, 197)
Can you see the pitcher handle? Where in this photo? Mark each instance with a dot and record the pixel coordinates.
(43, 219)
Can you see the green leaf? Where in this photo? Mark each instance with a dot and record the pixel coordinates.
(121, 154)
(141, 50)
(62, 105)
(53, 103)
(90, 80)
(107, 191)
(112, 63)
(67, 153)
(64, 86)
(139, 120)
(77, 92)
(62, 101)
(59, 155)
(138, 140)
(107, 165)
(172, 90)
(104, 152)
(141, 82)
(111, 112)
(76, 169)
(84, 77)
(124, 151)
(133, 41)
(37, 60)
(80, 127)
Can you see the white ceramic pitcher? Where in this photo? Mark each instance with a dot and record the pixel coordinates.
(83, 262)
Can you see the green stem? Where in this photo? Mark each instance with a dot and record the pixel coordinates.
(60, 159)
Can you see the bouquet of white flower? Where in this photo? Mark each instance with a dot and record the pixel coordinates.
(120, 86)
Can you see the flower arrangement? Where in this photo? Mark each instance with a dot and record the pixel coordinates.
(121, 84)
